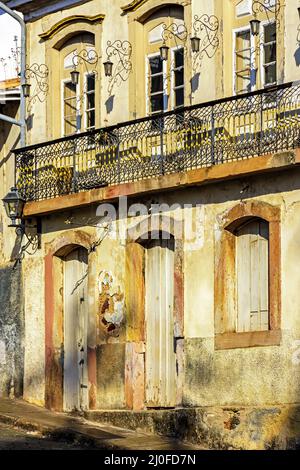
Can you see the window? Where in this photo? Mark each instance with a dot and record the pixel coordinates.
(156, 85)
(79, 111)
(90, 101)
(178, 78)
(269, 54)
(247, 277)
(70, 108)
(164, 79)
(243, 60)
(252, 276)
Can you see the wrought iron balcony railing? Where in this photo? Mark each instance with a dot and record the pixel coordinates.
(230, 129)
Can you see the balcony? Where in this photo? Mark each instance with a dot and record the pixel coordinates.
(205, 135)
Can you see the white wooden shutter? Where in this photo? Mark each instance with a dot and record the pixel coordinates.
(252, 271)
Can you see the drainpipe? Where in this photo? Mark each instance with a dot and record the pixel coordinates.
(22, 122)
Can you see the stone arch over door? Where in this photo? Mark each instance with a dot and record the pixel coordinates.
(54, 319)
(135, 309)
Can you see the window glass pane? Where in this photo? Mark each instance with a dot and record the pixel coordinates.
(156, 84)
(179, 97)
(270, 32)
(243, 40)
(270, 74)
(90, 82)
(70, 90)
(179, 58)
(179, 77)
(91, 119)
(243, 62)
(157, 103)
(270, 53)
(156, 65)
(90, 100)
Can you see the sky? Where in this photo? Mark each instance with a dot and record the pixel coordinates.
(9, 29)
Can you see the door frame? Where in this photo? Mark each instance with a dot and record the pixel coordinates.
(54, 320)
(135, 382)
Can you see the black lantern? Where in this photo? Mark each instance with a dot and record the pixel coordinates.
(14, 204)
(195, 43)
(26, 89)
(254, 26)
(75, 77)
(164, 52)
(108, 68)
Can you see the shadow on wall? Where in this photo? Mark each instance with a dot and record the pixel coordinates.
(11, 332)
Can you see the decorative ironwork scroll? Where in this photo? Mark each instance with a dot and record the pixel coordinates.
(86, 57)
(176, 32)
(270, 8)
(206, 27)
(122, 50)
(39, 73)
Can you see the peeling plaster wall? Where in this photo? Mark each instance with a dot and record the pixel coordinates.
(245, 376)
(11, 332)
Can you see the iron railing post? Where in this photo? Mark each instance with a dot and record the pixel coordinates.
(213, 134)
(35, 172)
(74, 182)
(261, 133)
(118, 158)
(161, 129)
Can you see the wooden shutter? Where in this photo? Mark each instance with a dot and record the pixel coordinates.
(252, 268)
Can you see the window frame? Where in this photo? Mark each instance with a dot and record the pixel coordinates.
(148, 84)
(63, 83)
(226, 336)
(85, 101)
(262, 55)
(172, 81)
(252, 57)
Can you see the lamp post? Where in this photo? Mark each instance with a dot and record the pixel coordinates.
(14, 205)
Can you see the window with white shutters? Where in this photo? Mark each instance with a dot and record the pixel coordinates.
(252, 276)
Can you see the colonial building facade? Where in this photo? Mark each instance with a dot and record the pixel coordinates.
(161, 179)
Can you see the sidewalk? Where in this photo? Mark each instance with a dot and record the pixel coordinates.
(60, 426)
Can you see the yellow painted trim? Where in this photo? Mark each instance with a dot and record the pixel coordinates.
(134, 5)
(70, 20)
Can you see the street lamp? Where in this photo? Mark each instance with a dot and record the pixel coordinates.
(26, 89)
(195, 43)
(74, 77)
(164, 52)
(14, 205)
(108, 68)
(254, 26)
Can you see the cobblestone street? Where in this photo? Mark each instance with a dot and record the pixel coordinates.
(16, 439)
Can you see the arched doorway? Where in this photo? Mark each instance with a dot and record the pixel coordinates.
(70, 374)
(75, 374)
(160, 357)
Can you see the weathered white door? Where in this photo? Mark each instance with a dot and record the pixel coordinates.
(75, 330)
(160, 354)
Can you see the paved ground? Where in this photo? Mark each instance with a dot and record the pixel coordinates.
(17, 439)
(61, 427)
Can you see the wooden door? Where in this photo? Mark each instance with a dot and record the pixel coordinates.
(75, 330)
(159, 305)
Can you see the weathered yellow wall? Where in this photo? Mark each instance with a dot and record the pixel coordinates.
(245, 376)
